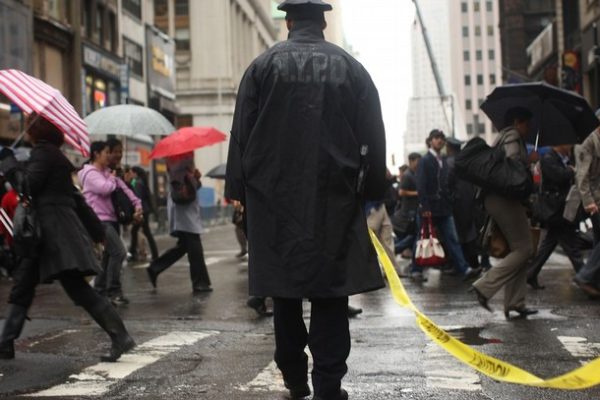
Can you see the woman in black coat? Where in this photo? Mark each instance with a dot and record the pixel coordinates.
(142, 191)
(64, 251)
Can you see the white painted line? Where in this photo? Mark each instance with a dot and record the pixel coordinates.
(97, 379)
(270, 379)
(580, 348)
(46, 339)
(213, 260)
(443, 372)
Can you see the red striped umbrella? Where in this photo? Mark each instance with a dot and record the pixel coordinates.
(32, 95)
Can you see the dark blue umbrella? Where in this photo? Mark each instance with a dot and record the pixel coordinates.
(559, 116)
(217, 172)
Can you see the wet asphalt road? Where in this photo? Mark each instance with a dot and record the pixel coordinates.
(214, 347)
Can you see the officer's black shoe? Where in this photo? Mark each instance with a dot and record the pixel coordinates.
(298, 392)
(354, 311)
(342, 396)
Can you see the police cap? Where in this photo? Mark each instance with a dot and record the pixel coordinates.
(289, 5)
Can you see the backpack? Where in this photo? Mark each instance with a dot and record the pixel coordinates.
(124, 208)
(183, 192)
(489, 168)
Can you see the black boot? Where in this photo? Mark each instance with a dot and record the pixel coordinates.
(108, 319)
(13, 325)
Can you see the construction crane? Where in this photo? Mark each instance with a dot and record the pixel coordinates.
(436, 72)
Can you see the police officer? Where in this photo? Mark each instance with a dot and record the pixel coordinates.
(307, 149)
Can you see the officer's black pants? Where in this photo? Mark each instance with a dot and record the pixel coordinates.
(328, 339)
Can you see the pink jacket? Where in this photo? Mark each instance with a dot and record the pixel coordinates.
(97, 188)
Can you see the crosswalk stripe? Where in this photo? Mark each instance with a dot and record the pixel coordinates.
(439, 376)
(97, 379)
(580, 348)
(270, 379)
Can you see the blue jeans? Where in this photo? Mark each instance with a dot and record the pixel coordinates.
(447, 231)
(590, 273)
(407, 242)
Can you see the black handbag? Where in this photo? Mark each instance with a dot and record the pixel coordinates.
(27, 233)
(124, 208)
(489, 168)
(547, 207)
(88, 218)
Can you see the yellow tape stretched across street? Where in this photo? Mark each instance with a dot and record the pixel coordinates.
(580, 378)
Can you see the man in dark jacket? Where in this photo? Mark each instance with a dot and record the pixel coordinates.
(436, 203)
(557, 177)
(307, 148)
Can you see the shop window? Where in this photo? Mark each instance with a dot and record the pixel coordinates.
(99, 94)
(113, 94)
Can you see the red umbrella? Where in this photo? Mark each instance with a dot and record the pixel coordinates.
(32, 95)
(186, 140)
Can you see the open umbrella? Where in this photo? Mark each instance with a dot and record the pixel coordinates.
(559, 116)
(186, 140)
(128, 120)
(217, 172)
(32, 95)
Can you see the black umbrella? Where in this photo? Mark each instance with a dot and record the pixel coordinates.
(559, 116)
(217, 172)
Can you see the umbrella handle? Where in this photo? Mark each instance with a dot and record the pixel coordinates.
(20, 137)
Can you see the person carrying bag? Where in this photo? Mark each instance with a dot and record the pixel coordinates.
(510, 215)
(429, 250)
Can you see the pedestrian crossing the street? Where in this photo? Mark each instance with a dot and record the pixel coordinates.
(98, 379)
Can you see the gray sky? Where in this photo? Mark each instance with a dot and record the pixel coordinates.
(379, 31)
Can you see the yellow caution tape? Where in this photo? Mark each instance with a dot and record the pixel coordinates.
(580, 378)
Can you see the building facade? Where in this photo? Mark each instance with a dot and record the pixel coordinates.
(476, 63)
(211, 55)
(426, 111)
(521, 21)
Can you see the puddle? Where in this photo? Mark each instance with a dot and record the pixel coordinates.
(472, 336)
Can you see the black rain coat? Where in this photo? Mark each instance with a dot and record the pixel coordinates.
(304, 109)
(66, 247)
